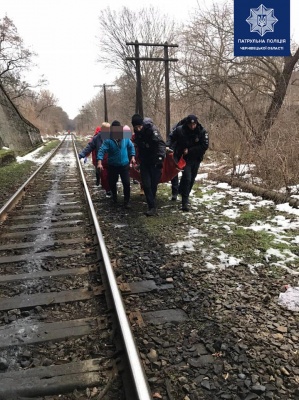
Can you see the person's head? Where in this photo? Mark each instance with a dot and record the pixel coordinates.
(115, 123)
(127, 132)
(105, 125)
(137, 122)
(191, 121)
(148, 121)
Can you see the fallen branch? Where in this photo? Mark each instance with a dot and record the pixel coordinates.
(267, 194)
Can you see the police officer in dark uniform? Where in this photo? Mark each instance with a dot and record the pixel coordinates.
(191, 141)
(151, 153)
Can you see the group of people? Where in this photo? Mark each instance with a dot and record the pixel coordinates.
(146, 150)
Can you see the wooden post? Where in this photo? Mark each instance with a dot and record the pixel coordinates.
(105, 104)
(104, 86)
(166, 59)
(167, 92)
(139, 100)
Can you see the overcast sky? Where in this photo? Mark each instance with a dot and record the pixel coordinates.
(63, 33)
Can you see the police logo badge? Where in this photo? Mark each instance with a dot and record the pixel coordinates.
(261, 20)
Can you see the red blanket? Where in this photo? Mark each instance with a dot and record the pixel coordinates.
(170, 169)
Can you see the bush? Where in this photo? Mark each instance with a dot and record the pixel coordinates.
(6, 157)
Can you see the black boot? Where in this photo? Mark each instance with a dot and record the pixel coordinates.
(127, 205)
(114, 199)
(185, 203)
(151, 212)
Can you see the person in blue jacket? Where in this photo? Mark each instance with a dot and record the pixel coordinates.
(121, 153)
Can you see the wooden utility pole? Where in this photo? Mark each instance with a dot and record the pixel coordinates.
(167, 90)
(139, 100)
(105, 99)
(166, 59)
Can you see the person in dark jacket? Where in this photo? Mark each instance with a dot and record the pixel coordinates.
(151, 153)
(191, 141)
(92, 147)
(121, 153)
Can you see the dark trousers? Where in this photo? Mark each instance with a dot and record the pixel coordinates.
(97, 171)
(175, 185)
(113, 174)
(188, 179)
(150, 177)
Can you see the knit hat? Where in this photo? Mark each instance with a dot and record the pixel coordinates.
(137, 120)
(191, 119)
(115, 123)
(97, 130)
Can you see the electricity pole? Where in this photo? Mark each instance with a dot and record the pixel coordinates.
(104, 86)
(166, 60)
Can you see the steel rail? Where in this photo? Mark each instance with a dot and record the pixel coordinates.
(21, 191)
(140, 381)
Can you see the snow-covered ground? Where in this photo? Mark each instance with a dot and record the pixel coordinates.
(221, 217)
(223, 206)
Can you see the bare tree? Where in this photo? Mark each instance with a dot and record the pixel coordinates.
(92, 113)
(15, 59)
(282, 79)
(51, 121)
(44, 100)
(41, 109)
(248, 90)
(145, 25)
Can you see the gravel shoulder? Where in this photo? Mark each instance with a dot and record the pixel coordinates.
(237, 342)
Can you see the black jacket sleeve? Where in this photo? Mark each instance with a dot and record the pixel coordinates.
(160, 146)
(201, 144)
(88, 149)
(151, 146)
(172, 138)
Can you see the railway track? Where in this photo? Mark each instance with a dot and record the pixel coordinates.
(202, 334)
(63, 328)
